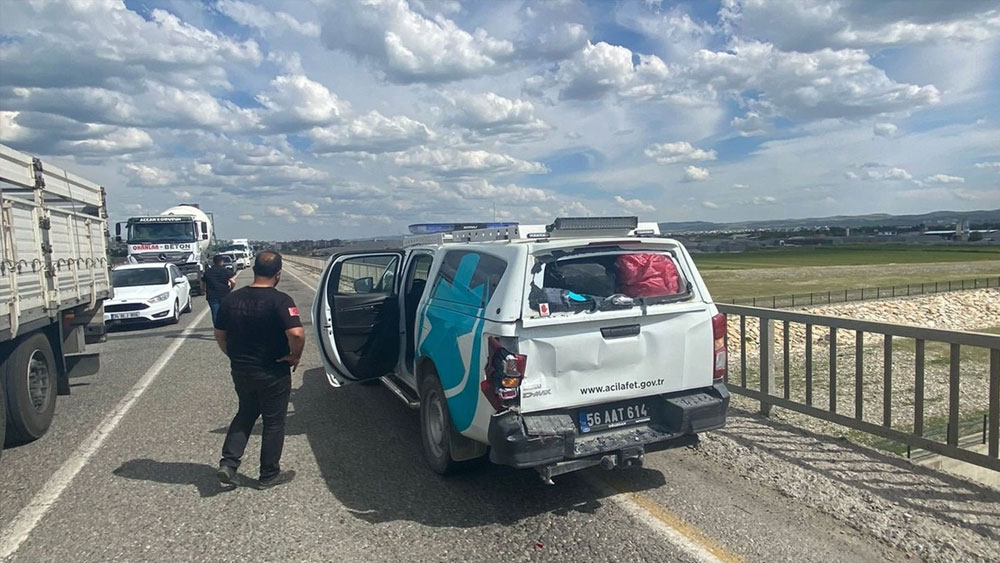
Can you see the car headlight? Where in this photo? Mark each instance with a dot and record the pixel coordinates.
(160, 297)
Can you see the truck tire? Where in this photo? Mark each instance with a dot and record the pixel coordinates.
(29, 376)
(3, 418)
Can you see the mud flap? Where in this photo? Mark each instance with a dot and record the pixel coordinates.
(465, 449)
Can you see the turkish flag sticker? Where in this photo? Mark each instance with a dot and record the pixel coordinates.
(293, 311)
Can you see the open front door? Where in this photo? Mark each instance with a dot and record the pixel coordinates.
(356, 315)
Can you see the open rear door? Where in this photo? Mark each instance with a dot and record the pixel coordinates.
(356, 315)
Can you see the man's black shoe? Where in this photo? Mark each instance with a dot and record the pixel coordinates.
(280, 479)
(226, 475)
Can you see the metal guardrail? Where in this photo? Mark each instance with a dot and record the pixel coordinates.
(774, 391)
(865, 293)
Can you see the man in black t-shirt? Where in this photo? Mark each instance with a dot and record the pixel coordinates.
(258, 327)
(218, 283)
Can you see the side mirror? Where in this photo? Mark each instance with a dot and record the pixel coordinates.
(180, 280)
(118, 230)
(204, 230)
(204, 236)
(118, 238)
(364, 285)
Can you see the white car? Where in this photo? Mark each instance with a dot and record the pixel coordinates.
(148, 293)
(590, 341)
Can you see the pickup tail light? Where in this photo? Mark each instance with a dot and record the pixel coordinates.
(719, 328)
(504, 373)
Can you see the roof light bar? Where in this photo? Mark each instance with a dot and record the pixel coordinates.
(593, 224)
(432, 228)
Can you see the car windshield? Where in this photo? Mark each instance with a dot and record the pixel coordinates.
(162, 232)
(135, 277)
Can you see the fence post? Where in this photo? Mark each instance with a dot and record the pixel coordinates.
(766, 343)
(774, 302)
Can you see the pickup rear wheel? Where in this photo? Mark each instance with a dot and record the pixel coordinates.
(435, 426)
(29, 377)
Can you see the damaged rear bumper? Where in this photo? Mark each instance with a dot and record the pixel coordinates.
(538, 439)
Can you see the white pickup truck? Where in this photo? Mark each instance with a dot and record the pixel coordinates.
(589, 341)
(53, 282)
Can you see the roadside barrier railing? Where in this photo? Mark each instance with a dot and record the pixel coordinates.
(864, 294)
(928, 380)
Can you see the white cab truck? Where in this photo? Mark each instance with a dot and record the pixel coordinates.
(590, 341)
(243, 246)
(53, 282)
(180, 235)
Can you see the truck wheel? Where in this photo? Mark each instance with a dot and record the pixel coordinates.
(29, 375)
(436, 428)
(3, 417)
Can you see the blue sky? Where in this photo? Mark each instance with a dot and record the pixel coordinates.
(323, 118)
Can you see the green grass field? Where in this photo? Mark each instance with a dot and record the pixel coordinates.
(847, 255)
(805, 270)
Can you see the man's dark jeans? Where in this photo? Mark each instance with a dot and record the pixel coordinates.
(267, 399)
(214, 305)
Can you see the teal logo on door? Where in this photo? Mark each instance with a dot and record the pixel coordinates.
(454, 339)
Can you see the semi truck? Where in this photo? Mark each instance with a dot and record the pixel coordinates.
(180, 235)
(53, 283)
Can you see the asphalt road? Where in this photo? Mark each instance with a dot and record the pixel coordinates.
(362, 492)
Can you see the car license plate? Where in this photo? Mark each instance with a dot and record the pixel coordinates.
(605, 417)
(117, 316)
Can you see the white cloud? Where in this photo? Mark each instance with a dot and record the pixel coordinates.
(254, 16)
(246, 217)
(305, 208)
(635, 205)
(457, 162)
(602, 68)
(988, 165)
(283, 212)
(371, 133)
(764, 200)
(943, 179)
(142, 175)
(409, 47)
(490, 114)
(107, 42)
(709, 205)
(681, 151)
(741, 186)
(809, 25)
(878, 172)
(695, 174)
(750, 125)
(885, 129)
(182, 194)
(824, 84)
(296, 102)
(511, 193)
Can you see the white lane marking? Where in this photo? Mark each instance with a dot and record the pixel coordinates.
(304, 282)
(20, 528)
(690, 547)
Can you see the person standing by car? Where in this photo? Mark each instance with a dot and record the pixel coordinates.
(258, 328)
(219, 281)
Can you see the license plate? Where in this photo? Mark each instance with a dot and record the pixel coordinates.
(116, 316)
(604, 417)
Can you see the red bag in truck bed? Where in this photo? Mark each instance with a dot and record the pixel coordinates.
(647, 275)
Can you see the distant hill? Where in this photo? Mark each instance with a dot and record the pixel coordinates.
(948, 218)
